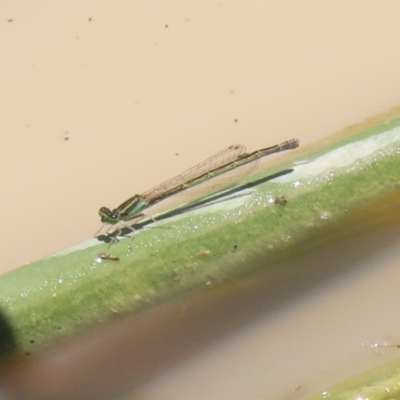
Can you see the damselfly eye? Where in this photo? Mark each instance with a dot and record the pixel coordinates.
(114, 214)
(104, 211)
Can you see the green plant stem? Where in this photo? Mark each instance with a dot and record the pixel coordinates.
(378, 384)
(213, 242)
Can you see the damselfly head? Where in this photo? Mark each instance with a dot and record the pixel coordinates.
(109, 217)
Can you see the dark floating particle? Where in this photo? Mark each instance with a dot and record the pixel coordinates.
(166, 25)
(10, 20)
(90, 19)
(236, 120)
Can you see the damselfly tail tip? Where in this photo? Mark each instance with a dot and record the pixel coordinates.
(289, 144)
(293, 143)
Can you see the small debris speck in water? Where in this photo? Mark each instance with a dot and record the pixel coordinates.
(114, 310)
(177, 154)
(235, 246)
(90, 19)
(10, 20)
(298, 388)
(236, 120)
(375, 345)
(166, 25)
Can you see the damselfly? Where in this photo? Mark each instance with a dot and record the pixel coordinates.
(220, 163)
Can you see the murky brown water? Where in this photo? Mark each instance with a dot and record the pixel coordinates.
(102, 100)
